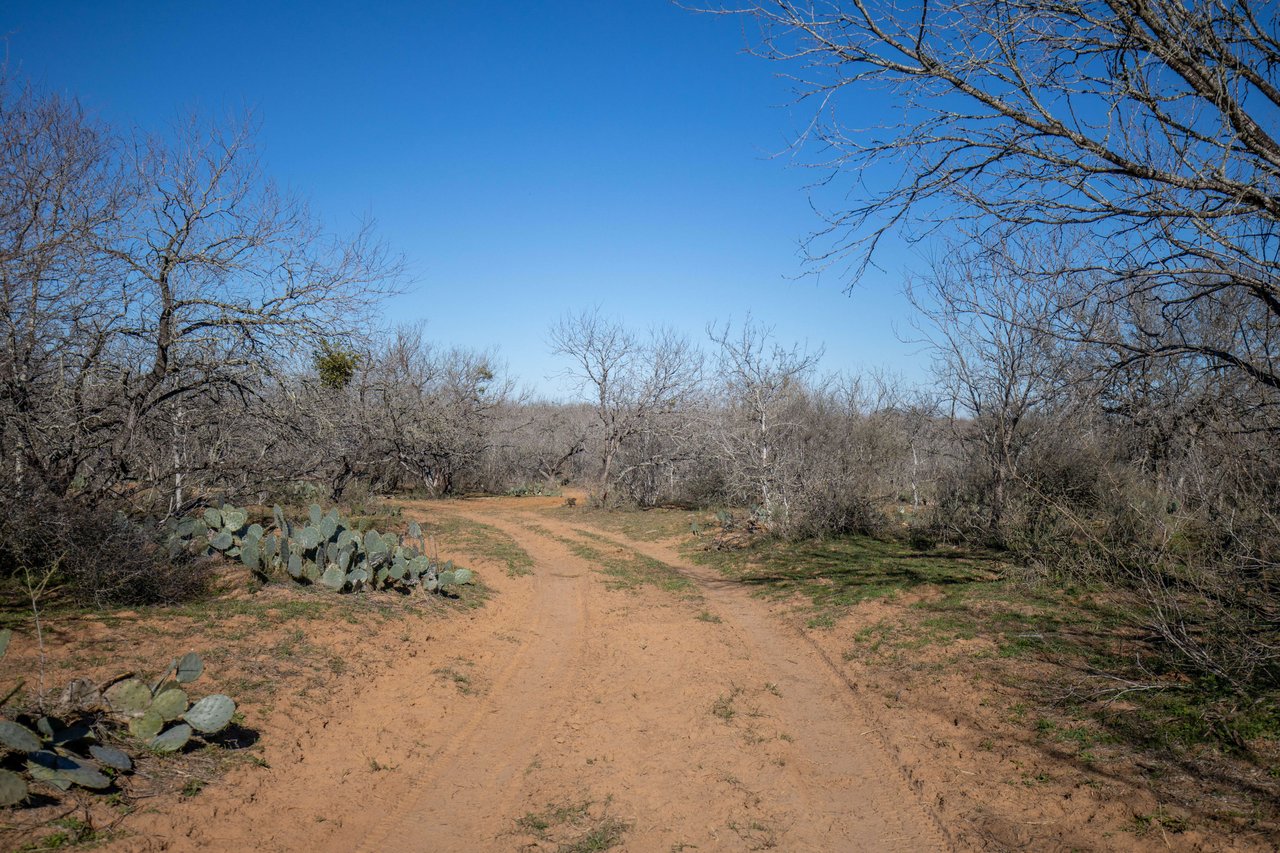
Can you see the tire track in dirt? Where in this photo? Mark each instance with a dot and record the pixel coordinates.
(460, 795)
(840, 777)
(799, 661)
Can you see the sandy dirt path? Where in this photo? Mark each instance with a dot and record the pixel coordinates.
(696, 721)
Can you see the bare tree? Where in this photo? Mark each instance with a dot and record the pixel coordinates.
(61, 195)
(145, 280)
(636, 386)
(993, 358)
(761, 379)
(434, 408)
(1149, 124)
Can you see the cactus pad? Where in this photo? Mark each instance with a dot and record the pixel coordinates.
(63, 770)
(415, 530)
(213, 518)
(170, 704)
(172, 740)
(147, 726)
(19, 737)
(13, 788)
(221, 541)
(333, 577)
(233, 519)
(128, 698)
(189, 668)
(111, 757)
(211, 714)
(462, 576)
(309, 537)
(249, 553)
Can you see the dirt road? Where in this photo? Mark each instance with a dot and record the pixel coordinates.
(570, 713)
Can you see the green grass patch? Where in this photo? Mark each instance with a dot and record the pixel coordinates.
(640, 525)
(482, 540)
(627, 569)
(68, 832)
(835, 574)
(724, 707)
(575, 826)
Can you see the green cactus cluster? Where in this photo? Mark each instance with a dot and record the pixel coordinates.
(58, 753)
(324, 549)
(161, 715)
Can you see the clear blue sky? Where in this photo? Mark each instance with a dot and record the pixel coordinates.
(527, 158)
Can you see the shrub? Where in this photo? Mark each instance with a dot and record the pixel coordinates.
(99, 556)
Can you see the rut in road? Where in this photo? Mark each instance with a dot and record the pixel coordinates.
(726, 734)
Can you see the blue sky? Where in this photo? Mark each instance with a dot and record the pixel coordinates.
(527, 158)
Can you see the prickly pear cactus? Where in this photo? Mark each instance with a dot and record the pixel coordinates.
(109, 756)
(233, 519)
(170, 704)
(333, 577)
(59, 755)
(307, 551)
(13, 788)
(128, 698)
(188, 668)
(18, 737)
(172, 740)
(147, 726)
(211, 714)
(64, 771)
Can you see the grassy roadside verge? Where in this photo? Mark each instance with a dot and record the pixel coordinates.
(1067, 671)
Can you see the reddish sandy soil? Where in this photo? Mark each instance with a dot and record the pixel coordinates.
(705, 721)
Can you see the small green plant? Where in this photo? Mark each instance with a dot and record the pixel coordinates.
(575, 826)
(723, 707)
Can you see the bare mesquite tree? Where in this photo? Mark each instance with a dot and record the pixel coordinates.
(637, 386)
(994, 361)
(1149, 124)
(62, 193)
(151, 279)
(434, 408)
(761, 380)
